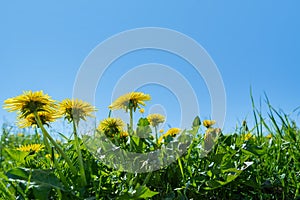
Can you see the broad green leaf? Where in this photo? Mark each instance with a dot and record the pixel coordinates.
(140, 192)
(18, 156)
(42, 181)
(143, 131)
(255, 150)
(143, 122)
(231, 174)
(217, 158)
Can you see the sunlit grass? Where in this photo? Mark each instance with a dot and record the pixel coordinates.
(256, 161)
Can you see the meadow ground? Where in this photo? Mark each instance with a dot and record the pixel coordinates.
(258, 162)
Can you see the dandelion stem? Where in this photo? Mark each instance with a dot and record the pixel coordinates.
(62, 177)
(147, 178)
(46, 142)
(181, 168)
(156, 135)
(59, 149)
(131, 120)
(81, 167)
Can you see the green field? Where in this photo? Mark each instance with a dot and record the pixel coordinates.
(256, 161)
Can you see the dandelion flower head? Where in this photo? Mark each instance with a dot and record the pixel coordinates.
(113, 125)
(30, 102)
(45, 117)
(208, 123)
(129, 101)
(31, 148)
(155, 119)
(75, 110)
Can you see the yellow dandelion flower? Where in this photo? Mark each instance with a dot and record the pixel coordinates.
(247, 136)
(142, 110)
(50, 157)
(208, 123)
(171, 132)
(74, 109)
(155, 119)
(124, 134)
(30, 102)
(269, 136)
(129, 101)
(112, 125)
(31, 148)
(46, 118)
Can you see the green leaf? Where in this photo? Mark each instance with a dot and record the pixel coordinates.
(209, 173)
(138, 143)
(195, 126)
(143, 129)
(255, 150)
(143, 122)
(217, 158)
(41, 181)
(4, 188)
(144, 192)
(18, 156)
(140, 192)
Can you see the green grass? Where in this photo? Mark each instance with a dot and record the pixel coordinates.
(236, 167)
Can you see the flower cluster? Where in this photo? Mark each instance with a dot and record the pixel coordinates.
(33, 106)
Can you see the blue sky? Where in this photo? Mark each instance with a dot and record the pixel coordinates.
(253, 43)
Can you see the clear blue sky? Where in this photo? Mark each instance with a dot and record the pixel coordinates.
(253, 43)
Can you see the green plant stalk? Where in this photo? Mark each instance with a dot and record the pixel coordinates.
(195, 131)
(46, 142)
(254, 111)
(131, 120)
(181, 168)
(130, 131)
(297, 190)
(100, 187)
(59, 194)
(59, 149)
(156, 135)
(147, 179)
(28, 182)
(80, 160)
(62, 177)
(1, 148)
(5, 190)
